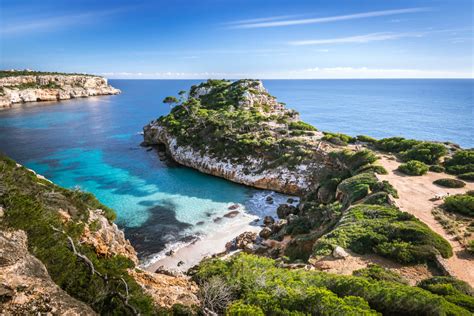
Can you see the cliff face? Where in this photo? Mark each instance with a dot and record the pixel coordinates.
(239, 132)
(19, 89)
(25, 285)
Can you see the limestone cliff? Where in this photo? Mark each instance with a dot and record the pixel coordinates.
(240, 132)
(32, 88)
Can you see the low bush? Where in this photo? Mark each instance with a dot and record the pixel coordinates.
(366, 139)
(425, 152)
(386, 231)
(396, 144)
(468, 176)
(437, 168)
(470, 246)
(338, 138)
(450, 183)
(260, 285)
(413, 168)
(460, 203)
(378, 273)
(453, 290)
(461, 162)
(299, 125)
(355, 188)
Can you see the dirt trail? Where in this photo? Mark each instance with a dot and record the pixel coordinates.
(415, 198)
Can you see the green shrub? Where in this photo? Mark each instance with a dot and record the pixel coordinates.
(366, 139)
(338, 138)
(468, 176)
(470, 246)
(300, 125)
(386, 231)
(425, 152)
(449, 183)
(396, 144)
(437, 168)
(357, 187)
(385, 186)
(413, 168)
(378, 273)
(260, 283)
(453, 290)
(461, 162)
(355, 161)
(460, 203)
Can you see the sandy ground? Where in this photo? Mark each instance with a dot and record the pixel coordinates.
(415, 198)
(413, 273)
(211, 244)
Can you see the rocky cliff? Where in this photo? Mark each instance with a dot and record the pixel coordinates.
(236, 130)
(38, 87)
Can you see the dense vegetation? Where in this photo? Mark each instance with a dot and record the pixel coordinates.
(224, 124)
(460, 203)
(16, 73)
(453, 290)
(32, 204)
(258, 285)
(461, 164)
(386, 231)
(378, 273)
(410, 149)
(413, 168)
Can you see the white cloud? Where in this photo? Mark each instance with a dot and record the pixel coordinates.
(308, 73)
(382, 36)
(370, 73)
(286, 22)
(53, 23)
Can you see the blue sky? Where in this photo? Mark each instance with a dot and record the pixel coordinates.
(240, 39)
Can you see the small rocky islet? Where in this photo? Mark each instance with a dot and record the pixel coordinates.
(238, 131)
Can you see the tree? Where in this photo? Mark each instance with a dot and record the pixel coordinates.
(171, 101)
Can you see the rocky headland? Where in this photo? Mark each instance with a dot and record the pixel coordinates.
(20, 87)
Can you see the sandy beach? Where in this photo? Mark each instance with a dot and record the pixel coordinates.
(192, 254)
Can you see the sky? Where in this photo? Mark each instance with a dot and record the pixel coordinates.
(274, 39)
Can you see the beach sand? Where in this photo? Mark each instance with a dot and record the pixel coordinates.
(208, 245)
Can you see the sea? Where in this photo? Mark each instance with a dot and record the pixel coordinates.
(93, 144)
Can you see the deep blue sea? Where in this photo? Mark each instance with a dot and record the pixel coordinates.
(93, 144)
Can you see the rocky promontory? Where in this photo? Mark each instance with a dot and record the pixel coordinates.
(20, 87)
(238, 131)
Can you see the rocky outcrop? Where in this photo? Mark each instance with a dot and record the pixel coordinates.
(279, 178)
(25, 285)
(19, 89)
(273, 149)
(106, 238)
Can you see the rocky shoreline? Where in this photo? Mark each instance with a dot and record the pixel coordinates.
(35, 88)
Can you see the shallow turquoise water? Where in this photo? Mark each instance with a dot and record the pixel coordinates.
(93, 144)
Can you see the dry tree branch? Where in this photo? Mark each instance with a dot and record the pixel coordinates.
(105, 278)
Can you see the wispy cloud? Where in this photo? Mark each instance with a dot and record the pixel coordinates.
(56, 22)
(366, 38)
(279, 21)
(341, 72)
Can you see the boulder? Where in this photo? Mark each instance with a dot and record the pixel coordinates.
(244, 239)
(269, 199)
(285, 209)
(339, 253)
(268, 220)
(265, 232)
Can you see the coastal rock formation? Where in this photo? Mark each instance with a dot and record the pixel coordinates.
(50, 234)
(32, 88)
(25, 285)
(241, 133)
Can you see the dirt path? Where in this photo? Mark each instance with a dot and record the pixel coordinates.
(415, 194)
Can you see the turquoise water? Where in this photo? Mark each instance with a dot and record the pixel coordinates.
(93, 144)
